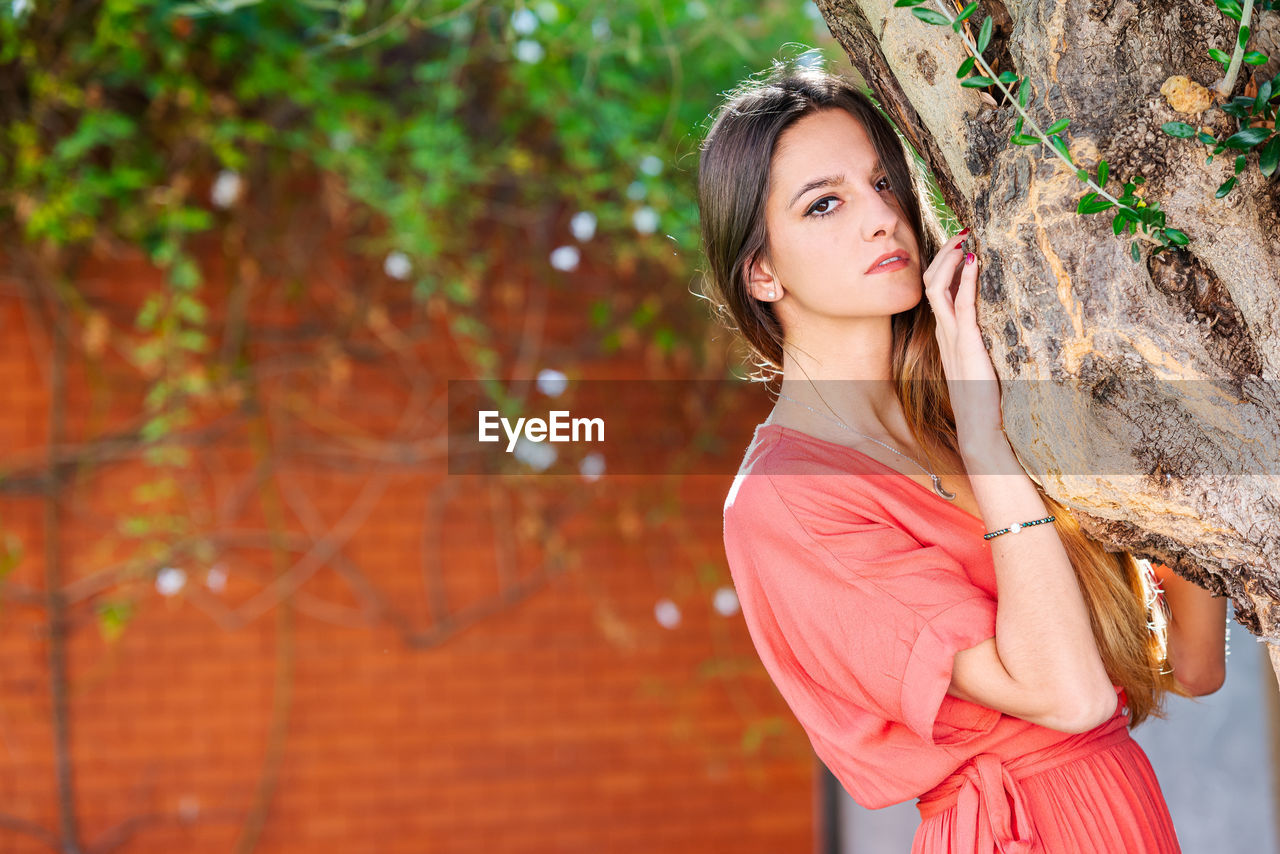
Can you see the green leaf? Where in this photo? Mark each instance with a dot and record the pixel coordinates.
(1239, 163)
(1264, 95)
(1023, 92)
(1062, 147)
(930, 16)
(1247, 138)
(978, 82)
(1102, 173)
(1084, 200)
(1133, 251)
(1058, 126)
(1181, 130)
(1139, 180)
(1225, 188)
(965, 68)
(1230, 8)
(898, 4)
(1255, 57)
(1219, 55)
(1269, 155)
(1024, 139)
(1082, 175)
(1177, 236)
(966, 12)
(1242, 38)
(1207, 139)
(1117, 223)
(189, 309)
(984, 35)
(1007, 77)
(1096, 206)
(1239, 106)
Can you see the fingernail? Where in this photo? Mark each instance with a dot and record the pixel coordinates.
(968, 257)
(966, 231)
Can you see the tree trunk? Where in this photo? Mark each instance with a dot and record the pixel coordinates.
(1148, 400)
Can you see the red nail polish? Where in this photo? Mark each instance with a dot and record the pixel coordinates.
(968, 257)
(966, 231)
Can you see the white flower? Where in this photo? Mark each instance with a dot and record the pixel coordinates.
(397, 265)
(592, 466)
(583, 225)
(548, 11)
(600, 29)
(667, 613)
(651, 165)
(170, 580)
(725, 601)
(342, 140)
(523, 21)
(536, 455)
(636, 191)
(226, 189)
(528, 50)
(551, 382)
(645, 220)
(19, 7)
(565, 258)
(216, 578)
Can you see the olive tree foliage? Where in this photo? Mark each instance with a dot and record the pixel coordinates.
(1117, 163)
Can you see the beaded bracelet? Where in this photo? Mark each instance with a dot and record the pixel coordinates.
(1016, 527)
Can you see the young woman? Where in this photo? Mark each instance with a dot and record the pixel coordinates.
(993, 678)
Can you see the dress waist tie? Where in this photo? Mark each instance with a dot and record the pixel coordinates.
(991, 812)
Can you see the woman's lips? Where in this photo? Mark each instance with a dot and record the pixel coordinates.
(890, 267)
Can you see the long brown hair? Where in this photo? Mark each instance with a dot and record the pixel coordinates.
(733, 181)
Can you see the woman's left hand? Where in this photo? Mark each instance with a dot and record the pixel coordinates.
(951, 286)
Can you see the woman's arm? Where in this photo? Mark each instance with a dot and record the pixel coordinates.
(1196, 633)
(1043, 664)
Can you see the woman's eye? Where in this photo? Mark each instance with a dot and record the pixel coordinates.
(814, 208)
(822, 208)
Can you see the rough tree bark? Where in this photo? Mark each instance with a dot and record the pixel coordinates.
(1061, 303)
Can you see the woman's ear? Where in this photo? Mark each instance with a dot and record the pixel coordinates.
(761, 282)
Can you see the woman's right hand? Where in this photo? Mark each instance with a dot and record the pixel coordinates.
(951, 286)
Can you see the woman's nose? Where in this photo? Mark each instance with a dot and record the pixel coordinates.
(878, 215)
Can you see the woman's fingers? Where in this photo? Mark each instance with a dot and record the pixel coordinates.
(943, 271)
(965, 303)
(943, 265)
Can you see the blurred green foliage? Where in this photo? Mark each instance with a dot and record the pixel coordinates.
(467, 143)
(445, 123)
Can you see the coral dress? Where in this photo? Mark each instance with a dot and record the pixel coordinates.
(859, 586)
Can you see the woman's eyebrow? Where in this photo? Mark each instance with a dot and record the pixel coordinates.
(826, 181)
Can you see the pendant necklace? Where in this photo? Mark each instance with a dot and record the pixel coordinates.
(937, 483)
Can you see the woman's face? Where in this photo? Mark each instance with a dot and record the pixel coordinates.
(830, 216)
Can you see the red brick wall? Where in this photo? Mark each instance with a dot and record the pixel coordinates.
(567, 720)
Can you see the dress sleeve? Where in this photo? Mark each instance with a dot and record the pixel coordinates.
(870, 613)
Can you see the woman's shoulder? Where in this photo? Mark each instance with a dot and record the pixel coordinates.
(783, 469)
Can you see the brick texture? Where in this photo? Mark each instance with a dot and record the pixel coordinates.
(420, 689)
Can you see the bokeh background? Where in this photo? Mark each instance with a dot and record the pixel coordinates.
(244, 604)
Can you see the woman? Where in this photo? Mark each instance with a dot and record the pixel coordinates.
(995, 677)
